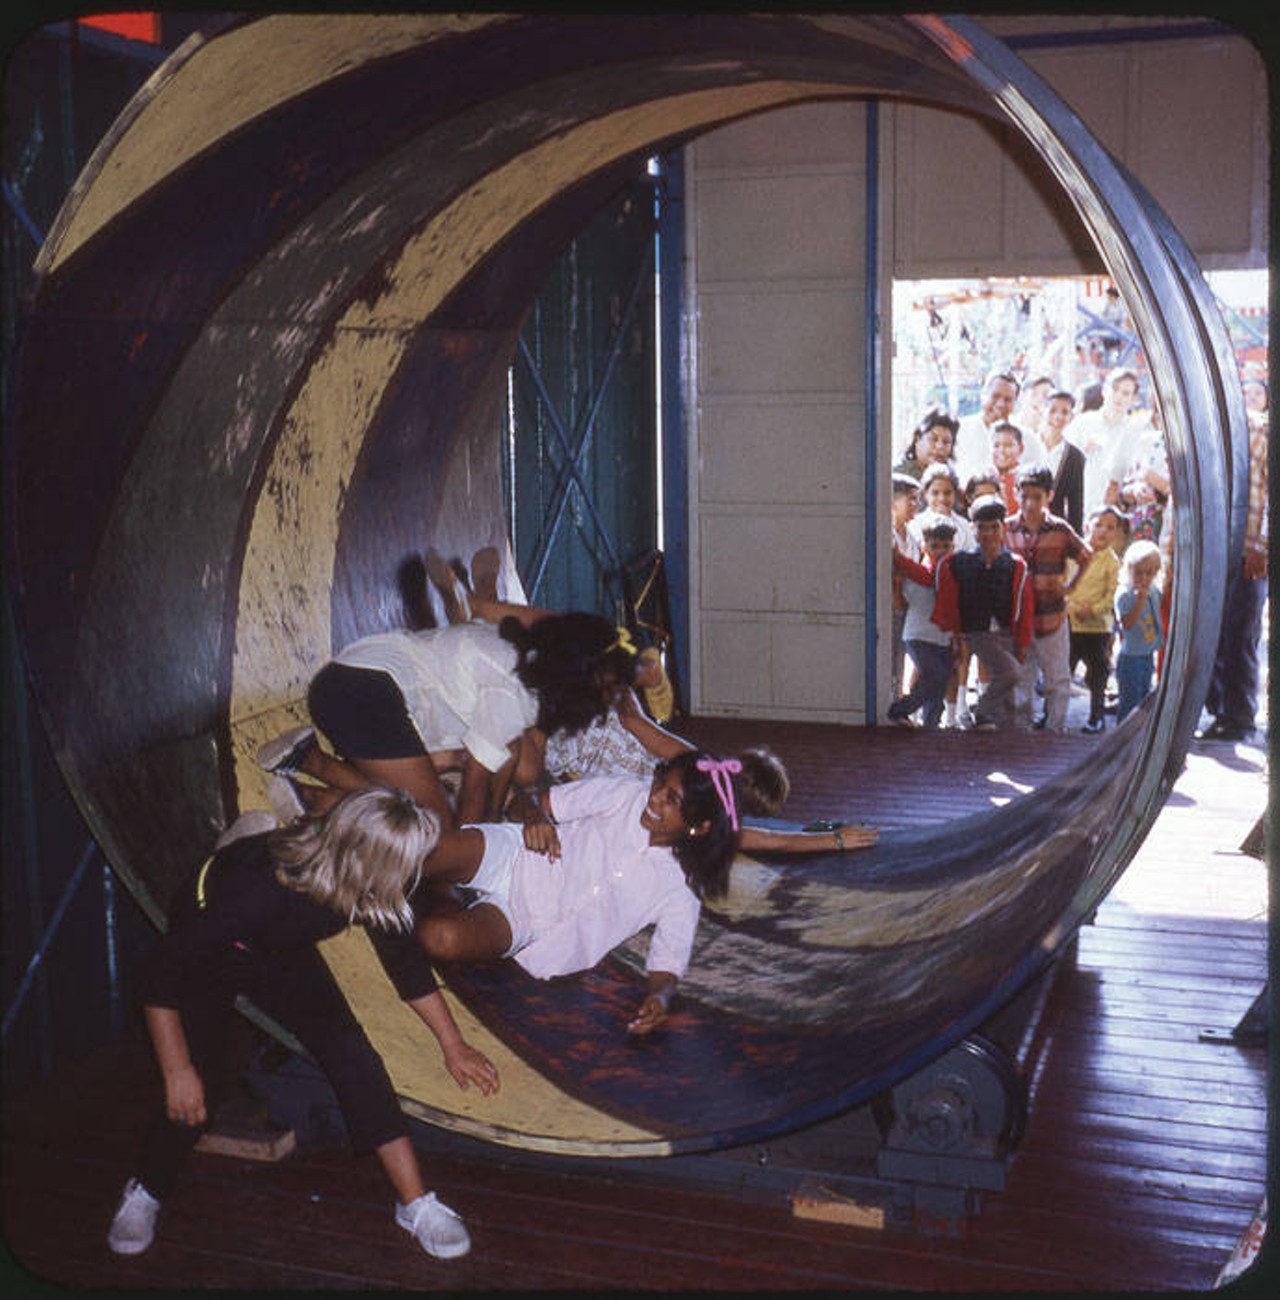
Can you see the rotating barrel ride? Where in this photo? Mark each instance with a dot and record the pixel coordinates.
(259, 371)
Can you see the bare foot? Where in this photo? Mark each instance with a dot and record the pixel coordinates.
(452, 592)
(485, 564)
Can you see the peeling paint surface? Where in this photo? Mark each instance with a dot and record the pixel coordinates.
(225, 85)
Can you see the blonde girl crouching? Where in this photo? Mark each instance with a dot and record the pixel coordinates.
(248, 922)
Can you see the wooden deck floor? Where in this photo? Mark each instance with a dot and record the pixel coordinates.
(1143, 1161)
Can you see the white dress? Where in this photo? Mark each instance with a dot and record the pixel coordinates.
(603, 748)
(608, 884)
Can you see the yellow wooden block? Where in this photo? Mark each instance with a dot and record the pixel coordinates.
(248, 1143)
(814, 1201)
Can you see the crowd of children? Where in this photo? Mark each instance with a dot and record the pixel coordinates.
(1047, 557)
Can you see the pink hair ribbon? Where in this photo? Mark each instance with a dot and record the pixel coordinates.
(722, 772)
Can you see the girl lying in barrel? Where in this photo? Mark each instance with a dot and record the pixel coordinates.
(594, 863)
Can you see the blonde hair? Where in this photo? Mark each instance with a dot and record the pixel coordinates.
(364, 859)
(763, 784)
(1136, 552)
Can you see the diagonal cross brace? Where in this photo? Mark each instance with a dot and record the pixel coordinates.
(572, 468)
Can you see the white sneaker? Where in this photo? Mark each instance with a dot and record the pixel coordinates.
(285, 800)
(134, 1227)
(257, 821)
(285, 753)
(440, 1232)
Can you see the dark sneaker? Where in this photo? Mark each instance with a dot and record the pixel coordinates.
(1223, 731)
(287, 752)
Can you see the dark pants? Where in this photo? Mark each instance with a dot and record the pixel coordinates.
(296, 989)
(1094, 648)
(1233, 688)
(899, 621)
(933, 666)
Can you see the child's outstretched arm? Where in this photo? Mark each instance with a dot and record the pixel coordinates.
(660, 742)
(465, 1063)
(905, 567)
(758, 839)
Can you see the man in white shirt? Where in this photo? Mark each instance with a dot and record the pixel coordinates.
(1102, 435)
(973, 438)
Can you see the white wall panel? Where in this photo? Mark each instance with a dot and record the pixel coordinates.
(780, 561)
(780, 338)
(748, 452)
(743, 676)
(779, 227)
(768, 667)
(795, 138)
(1189, 118)
(953, 177)
(778, 489)
(799, 645)
(1198, 113)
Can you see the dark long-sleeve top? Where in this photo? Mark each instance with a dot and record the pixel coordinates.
(244, 906)
(973, 594)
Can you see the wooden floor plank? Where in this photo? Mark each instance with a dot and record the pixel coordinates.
(1240, 1128)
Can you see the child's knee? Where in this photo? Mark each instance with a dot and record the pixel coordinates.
(441, 937)
(528, 766)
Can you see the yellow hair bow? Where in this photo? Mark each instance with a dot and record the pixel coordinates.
(623, 641)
